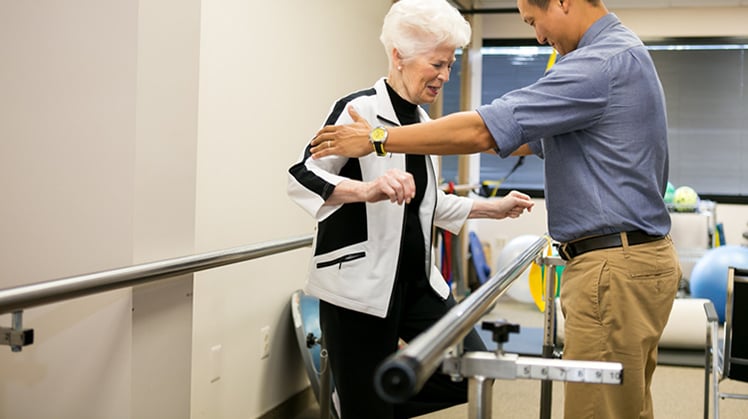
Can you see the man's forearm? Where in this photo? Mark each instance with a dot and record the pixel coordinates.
(458, 133)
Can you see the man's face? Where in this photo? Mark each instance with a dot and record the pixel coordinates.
(551, 25)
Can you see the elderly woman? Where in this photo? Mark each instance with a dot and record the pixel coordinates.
(372, 267)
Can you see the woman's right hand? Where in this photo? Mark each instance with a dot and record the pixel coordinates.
(395, 185)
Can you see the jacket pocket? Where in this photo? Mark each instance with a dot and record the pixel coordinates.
(341, 260)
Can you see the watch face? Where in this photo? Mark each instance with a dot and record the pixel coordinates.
(378, 134)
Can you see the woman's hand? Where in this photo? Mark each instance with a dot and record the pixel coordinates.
(394, 185)
(512, 205)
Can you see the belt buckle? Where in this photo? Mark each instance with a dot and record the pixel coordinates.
(562, 251)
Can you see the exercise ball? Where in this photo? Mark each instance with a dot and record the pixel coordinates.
(520, 288)
(709, 274)
(669, 193)
(685, 199)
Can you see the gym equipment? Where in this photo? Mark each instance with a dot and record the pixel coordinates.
(305, 314)
(709, 275)
(478, 257)
(404, 373)
(520, 289)
(730, 359)
(685, 199)
(683, 331)
(537, 278)
(669, 193)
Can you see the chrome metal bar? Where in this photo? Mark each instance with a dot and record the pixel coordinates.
(480, 397)
(713, 355)
(17, 327)
(40, 293)
(549, 335)
(403, 374)
(325, 388)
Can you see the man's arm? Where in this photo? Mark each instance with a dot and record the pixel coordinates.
(458, 133)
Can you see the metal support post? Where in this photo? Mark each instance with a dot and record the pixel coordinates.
(480, 397)
(325, 390)
(549, 326)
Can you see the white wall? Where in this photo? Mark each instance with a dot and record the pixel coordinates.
(134, 131)
(646, 22)
(269, 71)
(142, 131)
(165, 145)
(66, 177)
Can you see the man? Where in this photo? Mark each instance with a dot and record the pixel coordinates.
(598, 119)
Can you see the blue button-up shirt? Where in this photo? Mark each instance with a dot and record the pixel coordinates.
(598, 119)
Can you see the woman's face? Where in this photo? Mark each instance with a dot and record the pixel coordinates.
(419, 79)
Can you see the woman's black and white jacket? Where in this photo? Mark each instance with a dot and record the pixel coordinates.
(356, 245)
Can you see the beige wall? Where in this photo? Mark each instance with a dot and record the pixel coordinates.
(67, 122)
(269, 71)
(132, 132)
(646, 22)
(151, 130)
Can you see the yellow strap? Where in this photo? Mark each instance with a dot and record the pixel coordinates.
(551, 60)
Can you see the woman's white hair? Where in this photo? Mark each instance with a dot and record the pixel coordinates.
(415, 27)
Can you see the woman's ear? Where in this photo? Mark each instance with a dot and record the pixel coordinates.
(397, 59)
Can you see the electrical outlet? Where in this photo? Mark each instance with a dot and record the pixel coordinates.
(264, 342)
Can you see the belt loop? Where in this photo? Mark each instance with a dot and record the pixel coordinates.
(624, 241)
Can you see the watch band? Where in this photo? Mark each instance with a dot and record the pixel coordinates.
(379, 148)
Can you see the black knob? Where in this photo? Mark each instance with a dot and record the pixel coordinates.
(500, 330)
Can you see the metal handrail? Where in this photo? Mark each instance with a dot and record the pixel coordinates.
(52, 291)
(404, 373)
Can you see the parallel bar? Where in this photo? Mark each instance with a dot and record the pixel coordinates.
(47, 292)
(404, 373)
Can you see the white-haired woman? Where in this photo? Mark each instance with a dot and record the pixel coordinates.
(372, 266)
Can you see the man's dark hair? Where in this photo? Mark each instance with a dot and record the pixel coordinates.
(543, 4)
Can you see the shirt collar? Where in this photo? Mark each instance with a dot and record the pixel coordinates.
(599, 26)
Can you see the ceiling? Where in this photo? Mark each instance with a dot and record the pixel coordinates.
(618, 4)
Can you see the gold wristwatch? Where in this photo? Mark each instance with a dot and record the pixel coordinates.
(377, 138)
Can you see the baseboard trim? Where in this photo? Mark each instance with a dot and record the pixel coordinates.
(293, 406)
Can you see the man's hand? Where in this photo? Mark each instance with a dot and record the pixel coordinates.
(512, 206)
(350, 140)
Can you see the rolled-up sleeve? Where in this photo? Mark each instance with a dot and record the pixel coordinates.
(565, 99)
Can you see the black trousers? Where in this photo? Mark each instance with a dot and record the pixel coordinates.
(357, 343)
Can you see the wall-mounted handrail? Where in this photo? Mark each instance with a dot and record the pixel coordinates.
(404, 373)
(26, 296)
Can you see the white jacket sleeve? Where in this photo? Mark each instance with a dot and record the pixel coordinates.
(451, 211)
(310, 182)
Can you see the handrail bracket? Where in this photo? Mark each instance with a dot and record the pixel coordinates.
(16, 336)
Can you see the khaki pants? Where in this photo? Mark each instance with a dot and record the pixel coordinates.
(616, 303)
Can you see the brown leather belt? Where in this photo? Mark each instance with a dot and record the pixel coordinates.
(569, 250)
